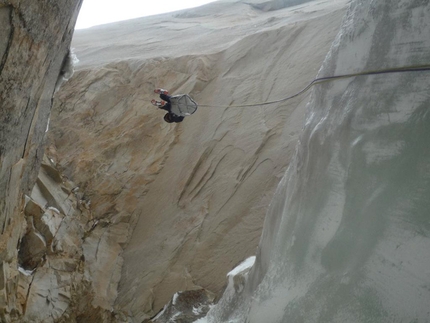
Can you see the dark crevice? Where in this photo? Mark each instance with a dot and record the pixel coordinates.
(9, 42)
(24, 307)
(29, 129)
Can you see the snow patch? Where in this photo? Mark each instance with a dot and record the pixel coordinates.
(175, 298)
(246, 264)
(160, 313)
(47, 125)
(54, 209)
(25, 272)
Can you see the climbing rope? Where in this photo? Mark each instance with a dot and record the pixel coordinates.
(320, 80)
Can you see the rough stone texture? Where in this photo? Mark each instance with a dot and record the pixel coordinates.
(34, 39)
(60, 256)
(185, 307)
(190, 306)
(187, 201)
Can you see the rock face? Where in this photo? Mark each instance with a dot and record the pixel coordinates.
(347, 237)
(57, 253)
(157, 208)
(179, 205)
(34, 41)
(187, 306)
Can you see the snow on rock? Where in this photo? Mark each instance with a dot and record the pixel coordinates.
(186, 306)
(233, 293)
(245, 265)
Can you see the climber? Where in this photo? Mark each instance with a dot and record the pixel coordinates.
(177, 107)
(165, 104)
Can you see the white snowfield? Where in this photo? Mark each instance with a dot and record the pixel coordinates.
(346, 238)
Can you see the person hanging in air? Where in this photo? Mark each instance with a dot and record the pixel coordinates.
(166, 104)
(177, 106)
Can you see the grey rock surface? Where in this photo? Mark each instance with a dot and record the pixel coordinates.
(347, 236)
(34, 39)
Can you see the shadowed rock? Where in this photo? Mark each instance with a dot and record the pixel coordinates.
(34, 40)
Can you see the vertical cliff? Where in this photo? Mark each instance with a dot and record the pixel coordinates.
(176, 206)
(34, 41)
(143, 209)
(347, 237)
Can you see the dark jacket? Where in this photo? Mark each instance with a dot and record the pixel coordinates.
(169, 117)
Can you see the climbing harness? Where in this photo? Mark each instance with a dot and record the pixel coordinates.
(418, 68)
